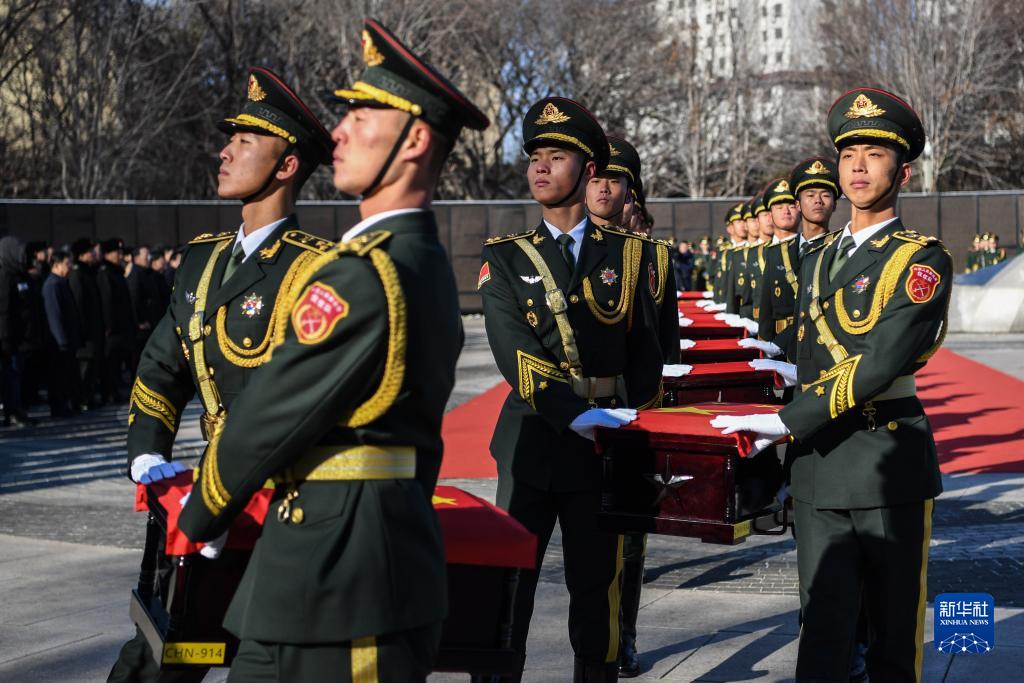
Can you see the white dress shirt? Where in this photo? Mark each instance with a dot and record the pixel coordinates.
(862, 236)
(367, 223)
(254, 239)
(576, 234)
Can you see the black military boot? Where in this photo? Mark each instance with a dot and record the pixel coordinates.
(632, 579)
(590, 672)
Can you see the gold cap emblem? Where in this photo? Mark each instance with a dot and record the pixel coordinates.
(611, 149)
(816, 168)
(783, 186)
(256, 93)
(371, 55)
(862, 107)
(551, 114)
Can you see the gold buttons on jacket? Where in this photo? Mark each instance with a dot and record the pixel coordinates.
(573, 299)
(825, 305)
(529, 302)
(247, 342)
(893, 424)
(563, 365)
(207, 331)
(298, 515)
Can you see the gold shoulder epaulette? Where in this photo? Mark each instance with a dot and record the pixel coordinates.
(915, 237)
(625, 233)
(508, 238)
(822, 242)
(665, 242)
(363, 244)
(210, 237)
(307, 241)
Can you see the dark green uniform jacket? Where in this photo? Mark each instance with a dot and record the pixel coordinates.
(237, 322)
(666, 301)
(777, 296)
(612, 311)
(886, 309)
(721, 274)
(739, 287)
(363, 366)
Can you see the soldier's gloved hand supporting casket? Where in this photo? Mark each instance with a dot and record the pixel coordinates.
(745, 323)
(684, 321)
(211, 549)
(710, 306)
(787, 371)
(765, 347)
(150, 467)
(768, 428)
(686, 344)
(704, 303)
(707, 295)
(726, 317)
(676, 370)
(612, 418)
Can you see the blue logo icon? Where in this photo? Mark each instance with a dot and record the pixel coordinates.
(965, 623)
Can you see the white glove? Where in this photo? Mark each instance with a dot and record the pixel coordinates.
(686, 344)
(707, 295)
(746, 323)
(679, 294)
(150, 467)
(211, 549)
(676, 370)
(765, 347)
(705, 304)
(727, 317)
(767, 428)
(684, 321)
(787, 371)
(601, 417)
(716, 307)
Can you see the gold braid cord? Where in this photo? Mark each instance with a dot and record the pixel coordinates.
(661, 252)
(153, 404)
(529, 366)
(215, 496)
(656, 400)
(841, 398)
(884, 290)
(259, 354)
(394, 365)
(632, 252)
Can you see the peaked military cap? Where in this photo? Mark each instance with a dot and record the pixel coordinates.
(272, 108)
(866, 115)
(624, 160)
(110, 245)
(734, 214)
(758, 205)
(396, 78)
(776, 192)
(559, 122)
(748, 208)
(815, 172)
(84, 244)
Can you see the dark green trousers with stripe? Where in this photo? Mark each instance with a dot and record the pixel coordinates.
(879, 555)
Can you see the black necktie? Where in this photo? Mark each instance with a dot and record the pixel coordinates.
(237, 256)
(840, 257)
(565, 242)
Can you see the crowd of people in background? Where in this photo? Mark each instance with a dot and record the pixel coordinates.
(73, 320)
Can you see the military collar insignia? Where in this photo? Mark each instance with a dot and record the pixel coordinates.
(551, 114)
(863, 107)
(816, 168)
(596, 236)
(371, 55)
(783, 186)
(190, 297)
(256, 93)
(879, 243)
(252, 305)
(267, 253)
(531, 279)
(861, 284)
(609, 277)
(538, 238)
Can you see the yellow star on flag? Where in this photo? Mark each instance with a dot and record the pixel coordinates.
(439, 500)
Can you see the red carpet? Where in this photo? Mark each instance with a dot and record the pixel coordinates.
(975, 411)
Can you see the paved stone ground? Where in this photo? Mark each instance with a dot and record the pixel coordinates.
(69, 554)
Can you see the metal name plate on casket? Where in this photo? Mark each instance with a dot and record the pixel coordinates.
(704, 326)
(670, 472)
(734, 382)
(716, 351)
(181, 616)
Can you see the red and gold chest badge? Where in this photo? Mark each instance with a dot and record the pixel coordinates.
(921, 283)
(317, 312)
(485, 274)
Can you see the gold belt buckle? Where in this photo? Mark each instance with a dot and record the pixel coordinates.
(555, 300)
(195, 327)
(210, 424)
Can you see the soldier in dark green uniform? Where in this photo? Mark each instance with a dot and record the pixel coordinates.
(225, 305)
(572, 324)
(865, 470)
(779, 282)
(973, 254)
(739, 293)
(347, 582)
(736, 230)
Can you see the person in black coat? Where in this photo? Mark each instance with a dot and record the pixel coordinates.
(683, 265)
(119, 324)
(15, 313)
(64, 337)
(87, 301)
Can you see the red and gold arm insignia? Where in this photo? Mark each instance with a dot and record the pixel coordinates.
(485, 274)
(317, 312)
(922, 283)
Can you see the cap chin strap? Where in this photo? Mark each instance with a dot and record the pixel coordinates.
(372, 187)
(270, 177)
(576, 186)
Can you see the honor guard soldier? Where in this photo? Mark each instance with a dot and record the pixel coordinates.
(739, 294)
(733, 219)
(872, 309)
(571, 320)
(226, 302)
(347, 581)
(780, 280)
